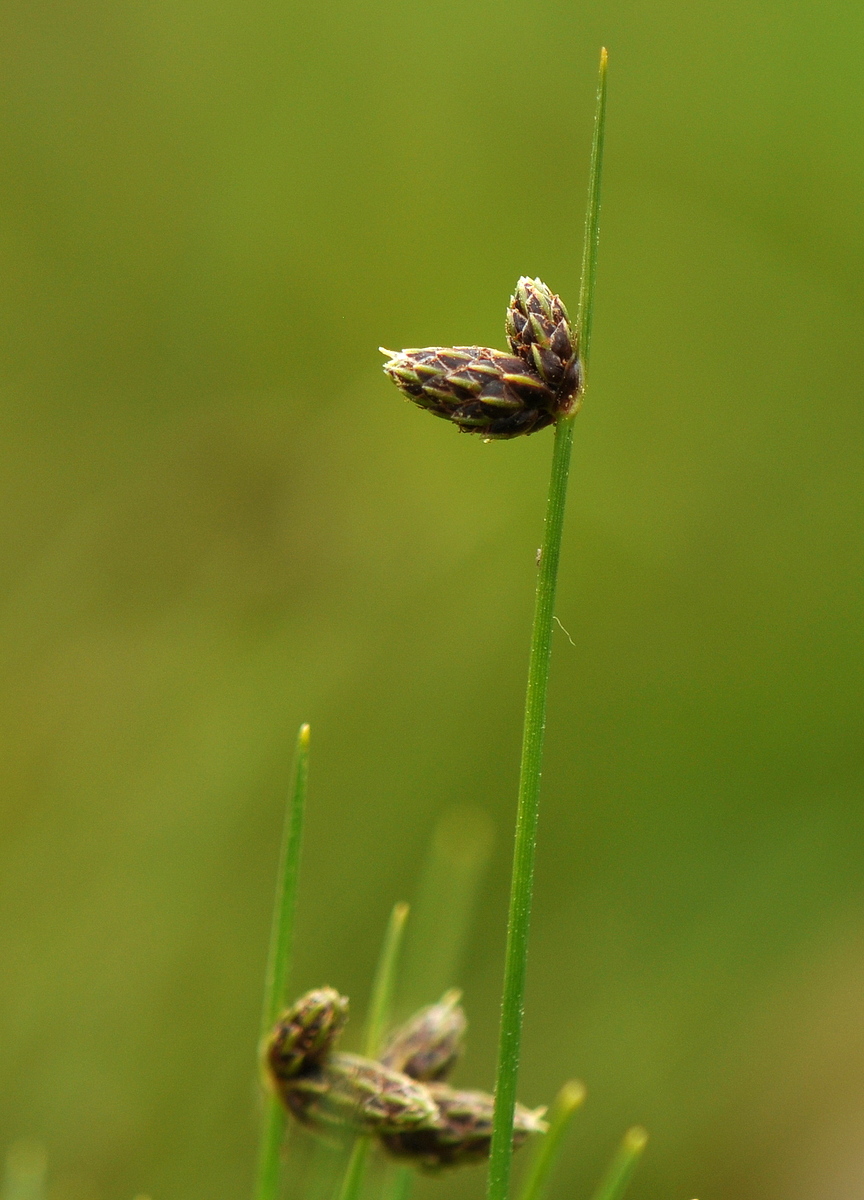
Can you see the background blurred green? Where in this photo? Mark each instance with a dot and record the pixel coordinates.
(219, 519)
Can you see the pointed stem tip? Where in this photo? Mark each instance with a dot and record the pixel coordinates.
(620, 1171)
(592, 220)
(567, 1102)
(572, 1094)
(636, 1139)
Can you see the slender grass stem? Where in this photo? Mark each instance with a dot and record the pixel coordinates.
(384, 982)
(568, 1101)
(381, 1001)
(510, 1036)
(591, 243)
(614, 1182)
(352, 1181)
(279, 961)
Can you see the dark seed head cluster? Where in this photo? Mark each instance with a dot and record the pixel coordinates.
(493, 393)
(402, 1100)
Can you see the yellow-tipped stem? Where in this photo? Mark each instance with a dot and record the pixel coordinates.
(279, 961)
(568, 1101)
(614, 1182)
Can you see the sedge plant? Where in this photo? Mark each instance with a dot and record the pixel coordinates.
(540, 381)
(395, 1090)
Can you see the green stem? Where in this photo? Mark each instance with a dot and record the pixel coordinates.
(569, 1099)
(614, 1182)
(521, 887)
(352, 1182)
(279, 961)
(384, 982)
(377, 1021)
(591, 243)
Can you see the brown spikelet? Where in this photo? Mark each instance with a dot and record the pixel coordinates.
(350, 1092)
(427, 1046)
(539, 331)
(463, 1131)
(492, 393)
(305, 1033)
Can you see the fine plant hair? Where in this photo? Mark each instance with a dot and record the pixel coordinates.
(540, 381)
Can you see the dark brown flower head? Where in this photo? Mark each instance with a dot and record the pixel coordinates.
(482, 391)
(305, 1033)
(427, 1046)
(491, 393)
(463, 1131)
(539, 330)
(351, 1093)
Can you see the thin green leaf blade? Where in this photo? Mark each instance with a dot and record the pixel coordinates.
(614, 1183)
(591, 243)
(384, 984)
(279, 962)
(567, 1103)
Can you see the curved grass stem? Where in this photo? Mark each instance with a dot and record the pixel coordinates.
(521, 889)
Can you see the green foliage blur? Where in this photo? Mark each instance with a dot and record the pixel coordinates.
(219, 520)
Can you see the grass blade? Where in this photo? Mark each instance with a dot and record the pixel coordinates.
(384, 982)
(279, 961)
(591, 244)
(380, 1004)
(614, 1182)
(521, 888)
(568, 1101)
(352, 1182)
